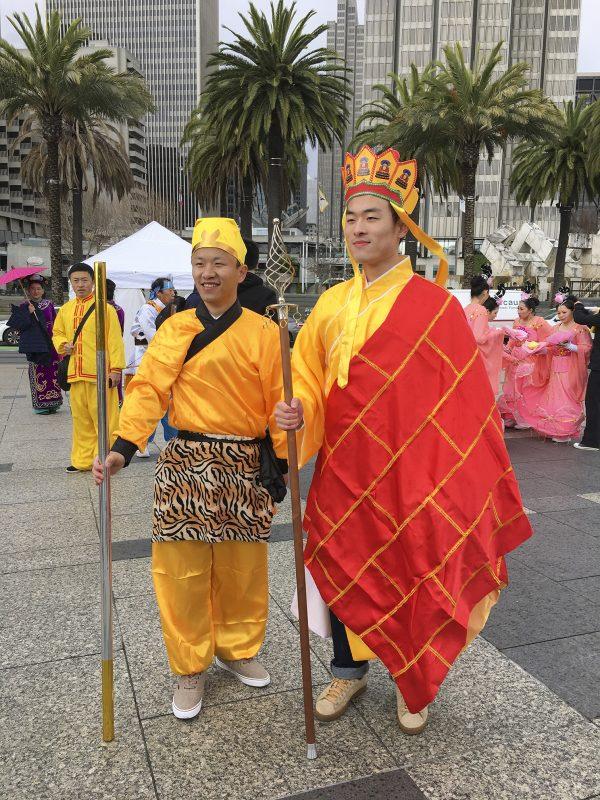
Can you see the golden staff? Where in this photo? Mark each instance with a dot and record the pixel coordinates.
(279, 274)
(108, 709)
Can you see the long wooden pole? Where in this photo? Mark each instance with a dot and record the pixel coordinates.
(294, 485)
(108, 710)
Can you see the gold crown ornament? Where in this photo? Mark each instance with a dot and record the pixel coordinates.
(384, 175)
(388, 176)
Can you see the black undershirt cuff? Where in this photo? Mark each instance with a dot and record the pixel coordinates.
(283, 465)
(125, 448)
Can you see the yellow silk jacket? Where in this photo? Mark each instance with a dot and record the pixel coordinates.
(82, 365)
(317, 349)
(229, 387)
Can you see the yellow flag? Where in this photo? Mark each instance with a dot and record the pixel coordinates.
(323, 201)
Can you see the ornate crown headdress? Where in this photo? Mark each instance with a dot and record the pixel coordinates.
(383, 174)
(561, 295)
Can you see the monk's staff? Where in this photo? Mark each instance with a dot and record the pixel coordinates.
(279, 275)
(108, 710)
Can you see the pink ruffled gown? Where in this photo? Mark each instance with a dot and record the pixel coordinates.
(553, 397)
(519, 365)
(489, 341)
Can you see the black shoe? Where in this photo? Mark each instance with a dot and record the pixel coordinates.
(70, 469)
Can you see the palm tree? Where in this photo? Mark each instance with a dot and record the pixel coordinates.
(89, 157)
(464, 114)
(55, 80)
(559, 168)
(268, 87)
(214, 161)
(437, 170)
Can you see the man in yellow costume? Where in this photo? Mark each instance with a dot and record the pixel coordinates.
(221, 367)
(413, 503)
(82, 365)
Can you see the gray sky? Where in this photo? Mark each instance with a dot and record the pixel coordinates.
(589, 52)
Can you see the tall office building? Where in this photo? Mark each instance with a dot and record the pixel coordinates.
(347, 38)
(172, 42)
(545, 33)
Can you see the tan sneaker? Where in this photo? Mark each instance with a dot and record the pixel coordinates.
(335, 699)
(247, 670)
(188, 694)
(411, 724)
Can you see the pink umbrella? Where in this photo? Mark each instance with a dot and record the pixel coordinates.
(18, 273)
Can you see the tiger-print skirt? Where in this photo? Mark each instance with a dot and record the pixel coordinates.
(209, 492)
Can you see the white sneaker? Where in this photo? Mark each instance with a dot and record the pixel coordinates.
(143, 453)
(411, 724)
(580, 446)
(522, 427)
(560, 441)
(187, 695)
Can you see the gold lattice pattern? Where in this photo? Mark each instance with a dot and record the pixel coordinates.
(280, 271)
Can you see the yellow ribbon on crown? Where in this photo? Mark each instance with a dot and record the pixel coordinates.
(384, 175)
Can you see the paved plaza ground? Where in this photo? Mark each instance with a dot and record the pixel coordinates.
(518, 717)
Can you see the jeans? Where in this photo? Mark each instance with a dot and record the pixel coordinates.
(342, 664)
(168, 431)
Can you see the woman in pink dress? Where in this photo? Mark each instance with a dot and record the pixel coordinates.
(489, 340)
(518, 362)
(553, 397)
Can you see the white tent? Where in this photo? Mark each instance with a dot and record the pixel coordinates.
(150, 253)
(133, 263)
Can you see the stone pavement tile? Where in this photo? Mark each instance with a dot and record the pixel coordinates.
(50, 557)
(586, 587)
(560, 551)
(152, 680)
(39, 454)
(50, 729)
(570, 667)
(132, 578)
(485, 700)
(28, 486)
(132, 526)
(561, 764)
(284, 511)
(22, 433)
(133, 495)
(255, 750)
(532, 449)
(534, 488)
(582, 477)
(392, 785)
(282, 575)
(54, 524)
(49, 614)
(535, 608)
(560, 503)
(586, 520)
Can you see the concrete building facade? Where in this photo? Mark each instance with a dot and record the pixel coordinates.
(347, 37)
(544, 33)
(172, 42)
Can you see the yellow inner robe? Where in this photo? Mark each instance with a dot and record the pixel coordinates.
(82, 375)
(315, 363)
(213, 598)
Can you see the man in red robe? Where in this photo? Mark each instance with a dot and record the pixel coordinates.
(414, 502)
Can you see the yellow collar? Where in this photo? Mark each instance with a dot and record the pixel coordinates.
(399, 273)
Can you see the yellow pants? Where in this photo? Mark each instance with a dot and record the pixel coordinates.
(213, 600)
(84, 409)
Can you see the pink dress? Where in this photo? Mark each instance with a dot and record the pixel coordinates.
(553, 397)
(519, 365)
(489, 341)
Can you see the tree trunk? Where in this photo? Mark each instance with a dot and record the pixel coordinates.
(411, 247)
(52, 136)
(78, 216)
(275, 175)
(561, 250)
(246, 208)
(469, 184)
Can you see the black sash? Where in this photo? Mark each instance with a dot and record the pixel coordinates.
(213, 328)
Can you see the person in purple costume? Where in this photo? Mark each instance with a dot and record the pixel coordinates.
(34, 319)
(110, 298)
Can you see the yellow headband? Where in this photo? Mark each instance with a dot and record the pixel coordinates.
(221, 233)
